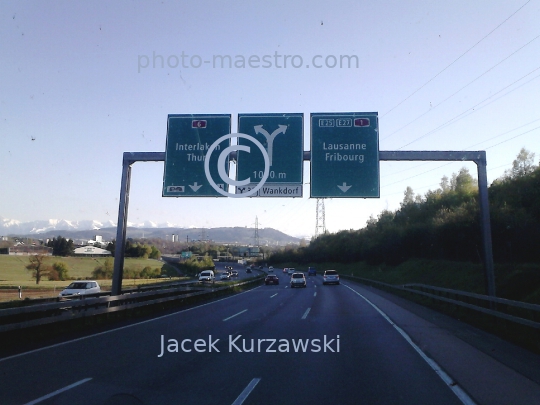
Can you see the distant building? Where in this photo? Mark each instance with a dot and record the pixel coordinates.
(27, 250)
(90, 251)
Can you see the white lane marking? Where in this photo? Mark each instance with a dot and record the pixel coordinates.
(462, 395)
(232, 316)
(123, 327)
(52, 394)
(244, 394)
(315, 294)
(272, 296)
(306, 313)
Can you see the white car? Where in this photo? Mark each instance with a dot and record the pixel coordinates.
(206, 275)
(225, 276)
(270, 269)
(81, 287)
(291, 270)
(298, 280)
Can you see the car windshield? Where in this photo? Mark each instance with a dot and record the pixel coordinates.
(76, 286)
(331, 273)
(297, 275)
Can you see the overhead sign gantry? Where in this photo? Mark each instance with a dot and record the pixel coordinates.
(344, 163)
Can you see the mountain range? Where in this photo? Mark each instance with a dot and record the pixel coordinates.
(88, 229)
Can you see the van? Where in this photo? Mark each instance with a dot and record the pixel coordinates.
(206, 275)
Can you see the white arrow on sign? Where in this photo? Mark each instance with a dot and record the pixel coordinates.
(344, 187)
(270, 137)
(195, 187)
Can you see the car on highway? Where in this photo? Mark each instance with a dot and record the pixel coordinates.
(234, 273)
(206, 275)
(285, 270)
(312, 271)
(248, 270)
(330, 277)
(271, 279)
(225, 276)
(298, 280)
(270, 269)
(291, 270)
(81, 287)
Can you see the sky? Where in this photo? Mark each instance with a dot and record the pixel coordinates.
(83, 82)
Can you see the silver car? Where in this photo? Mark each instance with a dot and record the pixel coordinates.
(82, 287)
(330, 277)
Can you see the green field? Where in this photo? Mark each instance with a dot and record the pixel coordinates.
(13, 271)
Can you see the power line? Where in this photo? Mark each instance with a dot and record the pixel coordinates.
(474, 109)
(504, 133)
(468, 84)
(458, 58)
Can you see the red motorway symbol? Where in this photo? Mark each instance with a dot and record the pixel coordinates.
(361, 122)
(198, 124)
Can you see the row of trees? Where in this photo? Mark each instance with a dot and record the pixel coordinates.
(135, 249)
(105, 271)
(443, 224)
(61, 246)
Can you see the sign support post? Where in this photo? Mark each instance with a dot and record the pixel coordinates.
(128, 159)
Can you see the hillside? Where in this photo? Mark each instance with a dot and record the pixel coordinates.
(234, 235)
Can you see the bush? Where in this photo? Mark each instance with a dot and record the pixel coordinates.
(104, 272)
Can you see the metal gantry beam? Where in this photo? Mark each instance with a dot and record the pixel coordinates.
(478, 157)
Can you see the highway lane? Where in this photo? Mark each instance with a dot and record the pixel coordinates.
(374, 364)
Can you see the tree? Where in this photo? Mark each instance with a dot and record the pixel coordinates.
(38, 266)
(463, 182)
(105, 271)
(522, 165)
(445, 185)
(111, 247)
(155, 253)
(62, 269)
(61, 246)
(408, 196)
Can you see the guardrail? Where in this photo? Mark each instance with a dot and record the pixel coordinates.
(85, 306)
(514, 311)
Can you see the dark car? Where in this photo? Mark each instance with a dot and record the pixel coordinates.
(312, 271)
(271, 279)
(248, 270)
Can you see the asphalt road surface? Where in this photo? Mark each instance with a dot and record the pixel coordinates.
(339, 344)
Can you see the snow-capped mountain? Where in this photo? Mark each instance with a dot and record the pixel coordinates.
(86, 230)
(15, 227)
